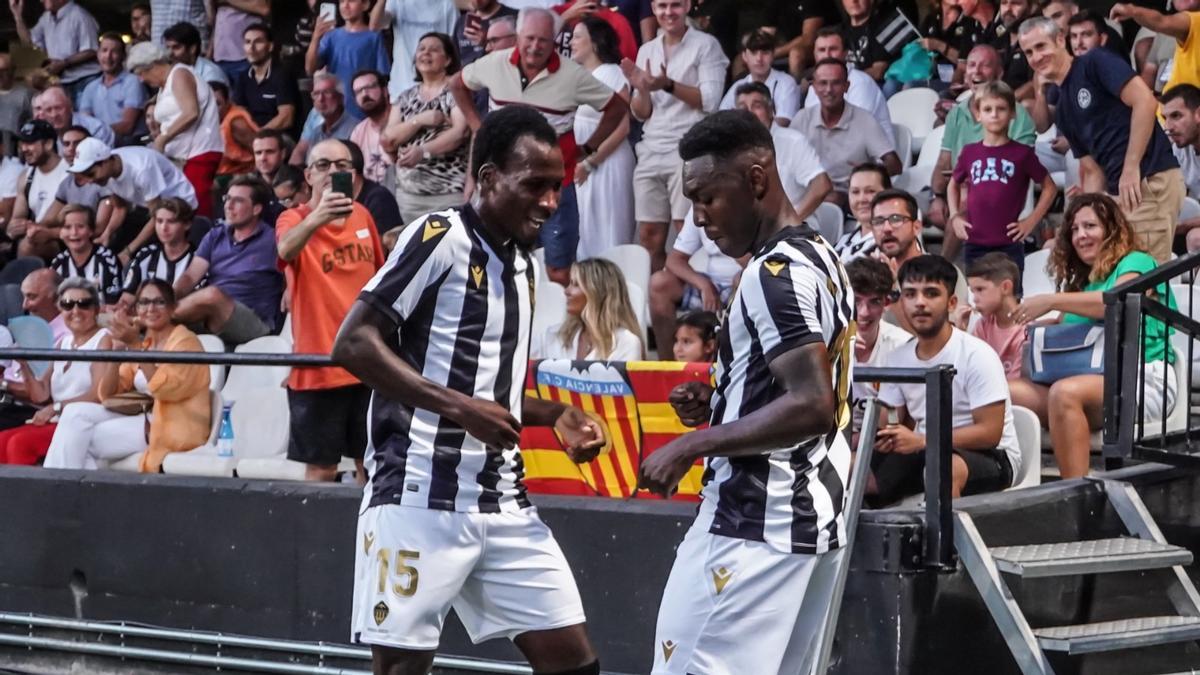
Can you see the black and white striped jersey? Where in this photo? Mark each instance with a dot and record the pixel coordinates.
(462, 305)
(794, 292)
(102, 269)
(151, 262)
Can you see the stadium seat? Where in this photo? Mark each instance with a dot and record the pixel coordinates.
(16, 271)
(549, 308)
(11, 302)
(829, 222)
(243, 378)
(915, 181)
(634, 261)
(260, 430)
(931, 147)
(1036, 280)
(641, 309)
(1189, 211)
(913, 108)
(1029, 439)
(285, 331)
(203, 461)
(214, 345)
(904, 144)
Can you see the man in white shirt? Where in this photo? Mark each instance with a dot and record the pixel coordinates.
(804, 179)
(66, 32)
(36, 189)
(679, 286)
(872, 283)
(758, 47)
(409, 21)
(985, 453)
(863, 91)
(670, 95)
(133, 176)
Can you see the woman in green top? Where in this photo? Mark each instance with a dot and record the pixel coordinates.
(1095, 250)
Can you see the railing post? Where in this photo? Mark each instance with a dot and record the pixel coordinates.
(1114, 318)
(1127, 388)
(939, 525)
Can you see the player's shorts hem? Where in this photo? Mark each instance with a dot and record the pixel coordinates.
(362, 639)
(511, 633)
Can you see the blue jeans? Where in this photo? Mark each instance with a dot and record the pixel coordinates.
(233, 70)
(560, 234)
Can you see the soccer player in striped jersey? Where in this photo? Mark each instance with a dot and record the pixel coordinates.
(441, 336)
(751, 580)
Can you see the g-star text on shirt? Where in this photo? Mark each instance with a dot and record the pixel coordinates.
(989, 174)
(343, 255)
(1084, 98)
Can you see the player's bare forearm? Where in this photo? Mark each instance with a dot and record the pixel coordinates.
(361, 349)
(537, 412)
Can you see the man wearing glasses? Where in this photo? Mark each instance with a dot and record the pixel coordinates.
(370, 92)
(245, 287)
(332, 249)
(328, 119)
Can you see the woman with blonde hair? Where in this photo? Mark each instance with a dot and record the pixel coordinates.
(1095, 251)
(601, 324)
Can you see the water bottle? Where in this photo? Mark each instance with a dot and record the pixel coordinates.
(225, 435)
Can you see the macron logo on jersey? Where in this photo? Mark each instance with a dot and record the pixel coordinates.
(986, 171)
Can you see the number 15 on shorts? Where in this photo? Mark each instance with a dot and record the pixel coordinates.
(397, 567)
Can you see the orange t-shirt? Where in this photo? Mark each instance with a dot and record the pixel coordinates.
(237, 158)
(327, 276)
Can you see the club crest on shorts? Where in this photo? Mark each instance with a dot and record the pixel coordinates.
(668, 647)
(434, 225)
(368, 540)
(381, 612)
(721, 576)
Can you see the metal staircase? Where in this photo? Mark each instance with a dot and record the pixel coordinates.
(1144, 549)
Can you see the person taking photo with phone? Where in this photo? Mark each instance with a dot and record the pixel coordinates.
(332, 249)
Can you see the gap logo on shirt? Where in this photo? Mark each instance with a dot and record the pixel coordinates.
(985, 171)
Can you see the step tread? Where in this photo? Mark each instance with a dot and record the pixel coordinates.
(1095, 555)
(1119, 634)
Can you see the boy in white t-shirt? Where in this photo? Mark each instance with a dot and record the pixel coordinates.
(872, 283)
(678, 286)
(985, 456)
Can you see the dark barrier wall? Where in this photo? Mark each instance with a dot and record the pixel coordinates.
(276, 560)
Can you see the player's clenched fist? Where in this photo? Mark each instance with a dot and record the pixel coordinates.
(491, 423)
(690, 401)
(665, 467)
(582, 436)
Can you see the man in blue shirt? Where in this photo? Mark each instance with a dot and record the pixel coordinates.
(345, 51)
(117, 97)
(1107, 114)
(329, 117)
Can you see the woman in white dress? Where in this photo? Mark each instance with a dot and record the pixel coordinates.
(603, 181)
(600, 323)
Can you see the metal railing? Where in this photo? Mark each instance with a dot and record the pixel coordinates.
(1128, 308)
(938, 541)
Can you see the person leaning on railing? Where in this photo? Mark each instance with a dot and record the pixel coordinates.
(179, 419)
(65, 381)
(1096, 250)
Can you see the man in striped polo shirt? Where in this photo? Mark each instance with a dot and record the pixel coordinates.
(751, 581)
(441, 336)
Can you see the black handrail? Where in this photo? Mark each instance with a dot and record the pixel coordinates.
(938, 539)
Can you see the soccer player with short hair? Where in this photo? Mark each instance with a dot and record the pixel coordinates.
(441, 336)
(751, 582)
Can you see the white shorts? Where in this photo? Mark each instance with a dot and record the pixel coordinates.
(503, 574)
(733, 606)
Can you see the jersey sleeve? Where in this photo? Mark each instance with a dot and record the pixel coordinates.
(425, 253)
(782, 300)
(133, 274)
(110, 278)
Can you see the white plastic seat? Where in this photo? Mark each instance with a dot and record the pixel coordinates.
(286, 331)
(1190, 210)
(1029, 440)
(260, 428)
(904, 144)
(243, 378)
(549, 308)
(216, 373)
(634, 262)
(641, 309)
(203, 461)
(913, 108)
(931, 147)
(829, 221)
(915, 181)
(1036, 280)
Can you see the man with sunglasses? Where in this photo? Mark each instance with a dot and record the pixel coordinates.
(130, 177)
(332, 249)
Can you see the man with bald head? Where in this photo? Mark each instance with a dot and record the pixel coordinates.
(983, 66)
(55, 107)
(39, 293)
(332, 249)
(532, 73)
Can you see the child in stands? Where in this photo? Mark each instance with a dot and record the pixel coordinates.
(987, 191)
(696, 337)
(993, 282)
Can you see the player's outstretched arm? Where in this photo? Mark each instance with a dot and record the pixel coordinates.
(807, 409)
(360, 348)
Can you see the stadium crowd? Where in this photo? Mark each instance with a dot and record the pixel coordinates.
(215, 168)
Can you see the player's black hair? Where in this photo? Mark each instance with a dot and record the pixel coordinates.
(929, 267)
(501, 130)
(184, 33)
(356, 155)
(725, 134)
(1190, 94)
(754, 88)
(896, 193)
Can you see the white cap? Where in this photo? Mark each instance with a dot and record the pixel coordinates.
(88, 152)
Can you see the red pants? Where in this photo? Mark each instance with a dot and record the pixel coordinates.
(201, 170)
(26, 444)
